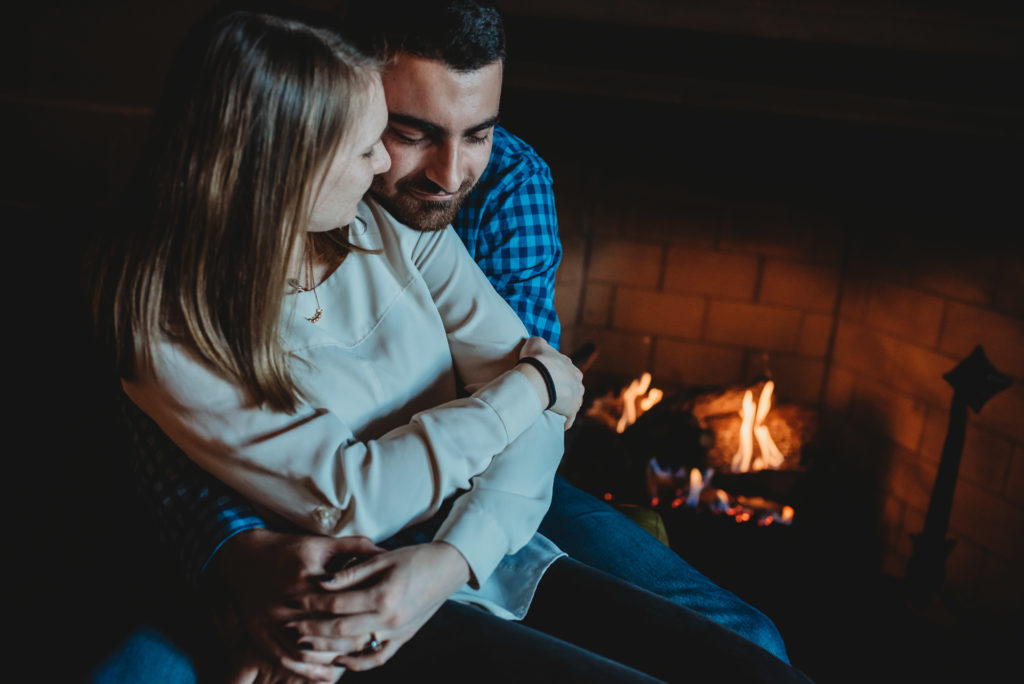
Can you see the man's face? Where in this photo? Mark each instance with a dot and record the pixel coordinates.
(439, 136)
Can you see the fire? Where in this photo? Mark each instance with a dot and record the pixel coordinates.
(696, 485)
(752, 428)
(619, 412)
(638, 398)
(756, 449)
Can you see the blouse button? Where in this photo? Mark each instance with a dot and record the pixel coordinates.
(327, 517)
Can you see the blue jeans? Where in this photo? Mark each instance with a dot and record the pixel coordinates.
(147, 655)
(588, 529)
(584, 625)
(597, 535)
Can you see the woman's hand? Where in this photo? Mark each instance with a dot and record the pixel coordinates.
(389, 596)
(265, 575)
(567, 377)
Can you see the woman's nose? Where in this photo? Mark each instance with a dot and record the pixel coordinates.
(383, 160)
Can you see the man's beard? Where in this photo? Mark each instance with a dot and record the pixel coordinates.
(417, 213)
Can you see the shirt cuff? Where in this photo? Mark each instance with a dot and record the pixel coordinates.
(479, 538)
(512, 397)
(241, 525)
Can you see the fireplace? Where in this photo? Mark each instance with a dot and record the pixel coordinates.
(858, 315)
(852, 265)
(856, 311)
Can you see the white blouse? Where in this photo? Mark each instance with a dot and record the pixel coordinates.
(380, 439)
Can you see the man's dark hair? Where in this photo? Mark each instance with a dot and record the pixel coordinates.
(464, 34)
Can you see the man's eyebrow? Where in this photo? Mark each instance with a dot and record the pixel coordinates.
(433, 129)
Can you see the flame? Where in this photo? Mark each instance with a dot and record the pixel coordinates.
(698, 481)
(652, 398)
(636, 399)
(752, 428)
(741, 459)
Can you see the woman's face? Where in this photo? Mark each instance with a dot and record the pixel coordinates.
(359, 157)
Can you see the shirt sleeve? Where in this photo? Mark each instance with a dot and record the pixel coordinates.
(507, 501)
(519, 249)
(309, 468)
(195, 514)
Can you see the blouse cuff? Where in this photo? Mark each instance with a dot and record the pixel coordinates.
(513, 398)
(479, 538)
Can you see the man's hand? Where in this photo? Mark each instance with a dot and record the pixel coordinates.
(266, 576)
(390, 596)
(252, 668)
(567, 378)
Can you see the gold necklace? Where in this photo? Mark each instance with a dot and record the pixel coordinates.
(299, 288)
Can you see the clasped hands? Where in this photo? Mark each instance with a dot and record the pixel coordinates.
(296, 615)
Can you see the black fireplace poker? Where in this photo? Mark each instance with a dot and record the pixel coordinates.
(974, 382)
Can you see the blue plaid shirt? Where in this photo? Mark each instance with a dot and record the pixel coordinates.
(509, 226)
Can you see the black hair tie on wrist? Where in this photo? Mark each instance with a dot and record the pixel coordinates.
(544, 373)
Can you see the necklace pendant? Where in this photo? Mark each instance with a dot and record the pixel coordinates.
(315, 317)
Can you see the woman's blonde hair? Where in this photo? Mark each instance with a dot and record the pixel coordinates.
(255, 108)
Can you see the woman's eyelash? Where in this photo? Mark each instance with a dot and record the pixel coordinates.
(368, 154)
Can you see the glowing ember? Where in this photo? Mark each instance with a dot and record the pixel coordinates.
(659, 479)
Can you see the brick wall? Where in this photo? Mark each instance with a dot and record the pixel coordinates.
(859, 312)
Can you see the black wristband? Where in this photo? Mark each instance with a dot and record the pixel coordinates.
(543, 370)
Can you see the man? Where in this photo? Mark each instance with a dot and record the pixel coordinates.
(450, 163)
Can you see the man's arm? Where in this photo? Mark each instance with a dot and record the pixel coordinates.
(510, 227)
(195, 513)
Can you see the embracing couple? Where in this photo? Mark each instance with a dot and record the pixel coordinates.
(331, 307)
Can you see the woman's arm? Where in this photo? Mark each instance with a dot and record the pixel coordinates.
(310, 468)
(508, 500)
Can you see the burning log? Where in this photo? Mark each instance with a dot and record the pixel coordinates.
(773, 435)
(708, 449)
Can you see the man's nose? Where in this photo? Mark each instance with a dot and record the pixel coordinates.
(443, 168)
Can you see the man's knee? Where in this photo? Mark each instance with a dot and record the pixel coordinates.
(146, 656)
(757, 627)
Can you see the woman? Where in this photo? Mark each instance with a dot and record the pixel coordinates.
(270, 342)
(309, 351)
